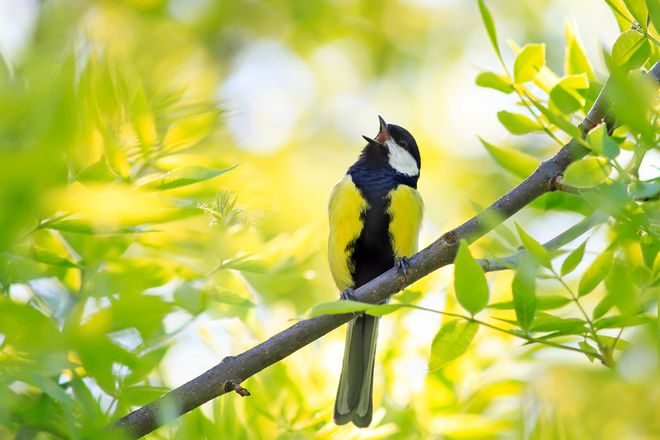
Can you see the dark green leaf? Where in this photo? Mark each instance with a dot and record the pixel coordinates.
(451, 342)
(469, 281)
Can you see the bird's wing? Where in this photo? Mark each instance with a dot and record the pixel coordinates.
(345, 210)
(406, 210)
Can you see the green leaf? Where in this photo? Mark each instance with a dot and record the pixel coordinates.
(524, 293)
(495, 81)
(550, 323)
(547, 302)
(638, 10)
(573, 259)
(601, 143)
(534, 248)
(339, 307)
(190, 298)
(469, 281)
(490, 27)
(383, 309)
(564, 95)
(185, 176)
(451, 342)
(47, 257)
(620, 321)
(631, 50)
(588, 350)
(587, 172)
(654, 11)
(596, 272)
(575, 61)
(518, 124)
(519, 163)
(529, 62)
(620, 287)
(556, 119)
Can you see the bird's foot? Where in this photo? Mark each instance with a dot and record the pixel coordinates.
(402, 266)
(347, 295)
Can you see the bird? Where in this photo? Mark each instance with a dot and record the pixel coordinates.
(375, 213)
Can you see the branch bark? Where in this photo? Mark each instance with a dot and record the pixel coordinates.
(233, 370)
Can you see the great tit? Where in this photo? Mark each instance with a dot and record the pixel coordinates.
(375, 214)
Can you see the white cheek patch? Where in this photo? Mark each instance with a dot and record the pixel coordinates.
(400, 159)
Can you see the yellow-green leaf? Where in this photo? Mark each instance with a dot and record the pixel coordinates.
(534, 248)
(469, 281)
(490, 27)
(519, 163)
(495, 81)
(575, 61)
(596, 272)
(573, 259)
(601, 143)
(631, 50)
(185, 176)
(516, 123)
(451, 342)
(587, 172)
(528, 63)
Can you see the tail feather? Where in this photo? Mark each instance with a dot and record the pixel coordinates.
(354, 395)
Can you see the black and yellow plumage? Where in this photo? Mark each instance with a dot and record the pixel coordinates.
(375, 214)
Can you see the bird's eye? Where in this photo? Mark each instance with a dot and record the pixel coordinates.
(404, 144)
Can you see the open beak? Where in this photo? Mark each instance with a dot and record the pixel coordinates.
(383, 134)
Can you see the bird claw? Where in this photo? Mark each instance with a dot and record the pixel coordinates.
(347, 295)
(402, 266)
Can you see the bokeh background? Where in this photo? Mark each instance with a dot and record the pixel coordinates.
(123, 282)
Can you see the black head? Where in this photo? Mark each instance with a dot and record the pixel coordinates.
(399, 147)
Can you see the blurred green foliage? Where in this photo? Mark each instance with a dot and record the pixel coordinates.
(132, 224)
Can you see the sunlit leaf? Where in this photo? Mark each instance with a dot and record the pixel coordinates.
(596, 272)
(546, 302)
(339, 307)
(528, 63)
(573, 259)
(601, 143)
(490, 26)
(516, 123)
(451, 342)
(630, 50)
(186, 132)
(185, 176)
(535, 249)
(587, 172)
(469, 281)
(588, 350)
(637, 9)
(575, 58)
(495, 81)
(519, 163)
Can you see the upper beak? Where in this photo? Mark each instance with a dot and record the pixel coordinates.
(383, 134)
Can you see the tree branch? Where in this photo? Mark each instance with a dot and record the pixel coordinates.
(212, 383)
